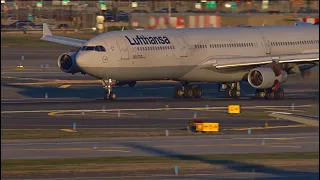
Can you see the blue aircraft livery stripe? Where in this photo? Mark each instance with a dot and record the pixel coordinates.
(142, 40)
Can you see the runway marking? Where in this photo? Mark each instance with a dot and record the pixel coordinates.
(270, 127)
(282, 109)
(272, 138)
(59, 82)
(276, 146)
(102, 114)
(69, 149)
(143, 109)
(67, 130)
(173, 139)
(140, 175)
(43, 72)
(65, 86)
(106, 149)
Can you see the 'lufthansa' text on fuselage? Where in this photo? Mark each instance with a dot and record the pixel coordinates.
(142, 40)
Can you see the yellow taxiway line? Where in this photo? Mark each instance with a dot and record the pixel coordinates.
(68, 130)
(64, 86)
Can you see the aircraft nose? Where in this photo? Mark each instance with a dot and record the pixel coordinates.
(81, 60)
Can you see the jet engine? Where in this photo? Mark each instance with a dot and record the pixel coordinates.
(263, 78)
(67, 62)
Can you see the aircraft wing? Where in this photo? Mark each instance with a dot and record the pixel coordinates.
(246, 62)
(47, 36)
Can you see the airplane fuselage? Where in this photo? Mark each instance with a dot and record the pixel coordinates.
(177, 53)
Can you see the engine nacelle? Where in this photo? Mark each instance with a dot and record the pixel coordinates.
(67, 62)
(263, 78)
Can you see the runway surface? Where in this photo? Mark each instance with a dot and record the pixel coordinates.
(40, 96)
(149, 146)
(251, 171)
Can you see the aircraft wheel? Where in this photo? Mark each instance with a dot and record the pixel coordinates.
(235, 94)
(228, 91)
(279, 94)
(106, 95)
(259, 94)
(197, 92)
(270, 95)
(178, 93)
(112, 96)
(188, 93)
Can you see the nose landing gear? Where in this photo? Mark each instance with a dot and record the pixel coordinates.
(109, 94)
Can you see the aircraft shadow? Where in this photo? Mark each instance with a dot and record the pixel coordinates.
(230, 164)
(151, 91)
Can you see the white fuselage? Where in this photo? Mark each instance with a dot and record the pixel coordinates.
(129, 59)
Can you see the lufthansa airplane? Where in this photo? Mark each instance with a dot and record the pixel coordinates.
(264, 56)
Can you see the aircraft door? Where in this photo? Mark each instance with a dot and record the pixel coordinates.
(123, 49)
(182, 46)
(267, 45)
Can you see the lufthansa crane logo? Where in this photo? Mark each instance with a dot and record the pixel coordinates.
(105, 59)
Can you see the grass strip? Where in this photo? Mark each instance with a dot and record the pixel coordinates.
(146, 163)
(49, 134)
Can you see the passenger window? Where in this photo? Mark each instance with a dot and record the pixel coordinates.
(97, 48)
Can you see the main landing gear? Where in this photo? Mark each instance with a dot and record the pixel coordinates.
(108, 95)
(270, 94)
(188, 91)
(232, 90)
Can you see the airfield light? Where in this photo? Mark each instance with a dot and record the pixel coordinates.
(265, 4)
(65, 2)
(103, 6)
(134, 4)
(227, 5)
(39, 4)
(198, 5)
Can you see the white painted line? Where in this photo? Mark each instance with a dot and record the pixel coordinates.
(150, 109)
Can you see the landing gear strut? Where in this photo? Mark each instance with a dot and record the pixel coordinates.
(233, 90)
(270, 94)
(188, 91)
(108, 95)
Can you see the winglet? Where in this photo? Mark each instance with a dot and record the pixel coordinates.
(46, 31)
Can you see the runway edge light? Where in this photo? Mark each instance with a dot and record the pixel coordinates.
(176, 169)
(74, 126)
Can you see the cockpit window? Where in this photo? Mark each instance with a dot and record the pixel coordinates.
(83, 48)
(90, 48)
(102, 48)
(93, 48)
(97, 48)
